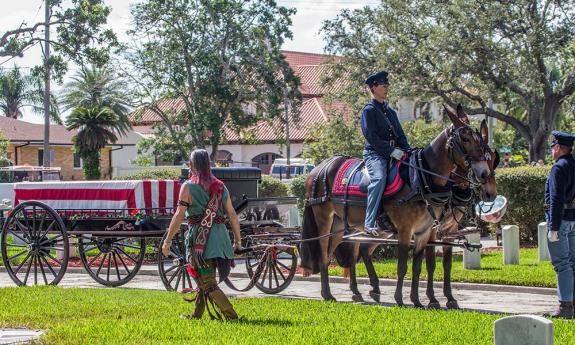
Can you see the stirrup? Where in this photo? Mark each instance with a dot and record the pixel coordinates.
(371, 232)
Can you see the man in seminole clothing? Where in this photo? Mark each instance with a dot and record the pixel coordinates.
(205, 201)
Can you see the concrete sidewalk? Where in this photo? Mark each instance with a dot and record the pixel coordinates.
(478, 297)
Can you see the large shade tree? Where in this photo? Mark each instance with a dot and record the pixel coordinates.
(213, 61)
(517, 55)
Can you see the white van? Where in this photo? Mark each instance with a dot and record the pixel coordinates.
(298, 166)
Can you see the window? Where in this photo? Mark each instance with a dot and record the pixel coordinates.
(41, 156)
(78, 162)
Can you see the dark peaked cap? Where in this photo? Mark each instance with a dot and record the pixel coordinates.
(562, 138)
(379, 78)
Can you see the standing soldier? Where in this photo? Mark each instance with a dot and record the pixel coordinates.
(560, 215)
(384, 139)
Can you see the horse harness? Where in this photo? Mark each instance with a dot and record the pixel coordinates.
(418, 176)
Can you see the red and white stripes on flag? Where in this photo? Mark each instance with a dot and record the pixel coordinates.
(101, 195)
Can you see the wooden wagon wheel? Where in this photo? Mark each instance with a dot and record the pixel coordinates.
(34, 245)
(112, 261)
(172, 269)
(279, 270)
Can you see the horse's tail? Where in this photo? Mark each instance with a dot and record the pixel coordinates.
(310, 251)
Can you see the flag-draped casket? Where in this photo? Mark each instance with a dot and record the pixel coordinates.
(101, 195)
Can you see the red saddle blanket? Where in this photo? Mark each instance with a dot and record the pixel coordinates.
(351, 177)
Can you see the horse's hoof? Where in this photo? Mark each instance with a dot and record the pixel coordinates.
(329, 298)
(375, 296)
(357, 298)
(434, 305)
(452, 304)
(418, 305)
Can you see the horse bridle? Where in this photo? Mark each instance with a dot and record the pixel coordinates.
(482, 154)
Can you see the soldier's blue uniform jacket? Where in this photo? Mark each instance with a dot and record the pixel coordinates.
(378, 133)
(560, 188)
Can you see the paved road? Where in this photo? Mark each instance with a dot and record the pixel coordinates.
(481, 297)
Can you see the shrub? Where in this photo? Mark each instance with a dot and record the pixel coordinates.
(272, 187)
(156, 174)
(524, 188)
(297, 188)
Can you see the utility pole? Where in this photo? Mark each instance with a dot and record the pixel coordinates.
(288, 151)
(46, 158)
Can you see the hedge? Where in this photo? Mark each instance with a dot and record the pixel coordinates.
(524, 188)
(272, 187)
(156, 174)
(297, 188)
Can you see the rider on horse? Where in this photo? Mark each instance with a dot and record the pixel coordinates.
(385, 139)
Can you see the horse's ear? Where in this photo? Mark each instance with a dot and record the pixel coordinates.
(484, 131)
(496, 161)
(453, 117)
(461, 114)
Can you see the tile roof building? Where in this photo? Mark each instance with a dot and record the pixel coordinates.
(308, 67)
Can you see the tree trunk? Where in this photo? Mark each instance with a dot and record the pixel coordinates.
(541, 122)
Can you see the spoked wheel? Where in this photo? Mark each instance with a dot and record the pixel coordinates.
(112, 261)
(172, 269)
(280, 265)
(34, 245)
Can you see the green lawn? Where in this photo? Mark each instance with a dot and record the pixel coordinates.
(130, 316)
(529, 273)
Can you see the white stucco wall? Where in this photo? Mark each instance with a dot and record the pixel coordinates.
(245, 153)
(121, 159)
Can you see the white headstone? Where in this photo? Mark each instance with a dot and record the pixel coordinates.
(510, 235)
(472, 259)
(543, 249)
(523, 330)
(18, 336)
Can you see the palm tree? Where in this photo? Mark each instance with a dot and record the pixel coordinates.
(18, 91)
(98, 87)
(97, 126)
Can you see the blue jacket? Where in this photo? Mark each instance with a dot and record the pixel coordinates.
(377, 132)
(559, 190)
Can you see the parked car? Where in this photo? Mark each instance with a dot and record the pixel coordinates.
(297, 166)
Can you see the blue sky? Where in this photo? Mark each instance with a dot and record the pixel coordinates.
(306, 24)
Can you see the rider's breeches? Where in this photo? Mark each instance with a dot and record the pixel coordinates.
(377, 169)
(207, 283)
(562, 254)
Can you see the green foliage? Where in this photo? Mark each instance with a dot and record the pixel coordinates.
(155, 174)
(524, 188)
(518, 55)
(98, 87)
(327, 139)
(270, 187)
(19, 91)
(530, 272)
(142, 316)
(78, 35)
(420, 133)
(4, 143)
(91, 165)
(143, 160)
(214, 57)
(297, 188)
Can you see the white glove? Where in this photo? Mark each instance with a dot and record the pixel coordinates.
(397, 153)
(553, 236)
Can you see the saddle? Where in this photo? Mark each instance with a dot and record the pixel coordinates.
(352, 179)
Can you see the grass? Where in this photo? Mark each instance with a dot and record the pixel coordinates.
(131, 316)
(529, 273)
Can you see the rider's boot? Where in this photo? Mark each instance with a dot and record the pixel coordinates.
(565, 311)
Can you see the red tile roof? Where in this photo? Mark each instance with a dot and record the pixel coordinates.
(18, 131)
(311, 113)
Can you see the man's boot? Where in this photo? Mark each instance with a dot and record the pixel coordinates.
(565, 311)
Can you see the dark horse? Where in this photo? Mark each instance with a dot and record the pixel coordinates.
(458, 145)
